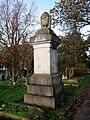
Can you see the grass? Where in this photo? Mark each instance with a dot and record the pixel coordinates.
(16, 109)
(72, 94)
(12, 95)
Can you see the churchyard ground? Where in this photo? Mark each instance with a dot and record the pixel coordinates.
(12, 97)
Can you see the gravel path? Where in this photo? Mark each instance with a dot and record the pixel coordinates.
(81, 109)
(84, 112)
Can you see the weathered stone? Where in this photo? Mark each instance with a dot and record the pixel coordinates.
(45, 101)
(45, 35)
(40, 100)
(45, 20)
(44, 87)
(44, 90)
(40, 90)
(45, 79)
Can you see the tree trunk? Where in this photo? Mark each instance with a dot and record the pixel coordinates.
(13, 72)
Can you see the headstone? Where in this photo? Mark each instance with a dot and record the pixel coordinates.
(71, 72)
(44, 87)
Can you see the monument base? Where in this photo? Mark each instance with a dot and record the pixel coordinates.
(44, 90)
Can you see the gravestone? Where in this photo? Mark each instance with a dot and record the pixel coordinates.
(44, 87)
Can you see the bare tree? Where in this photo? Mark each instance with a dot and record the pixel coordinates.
(16, 25)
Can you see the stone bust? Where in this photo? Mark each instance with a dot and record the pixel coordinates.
(45, 20)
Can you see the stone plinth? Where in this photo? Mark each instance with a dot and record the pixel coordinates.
(44, 87)
(44, 90)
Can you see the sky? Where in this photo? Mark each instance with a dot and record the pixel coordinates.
(46, 5)
(43, 5)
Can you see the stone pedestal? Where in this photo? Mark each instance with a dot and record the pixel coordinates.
(44, 87)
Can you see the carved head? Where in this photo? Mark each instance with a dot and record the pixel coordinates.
(45, 20)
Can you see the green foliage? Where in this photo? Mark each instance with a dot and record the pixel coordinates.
(80, 70)
(17, 109)
(11, 93)
(72, 93)
(23, 111)
(82, 66)
(71, 14)
(72, 52)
